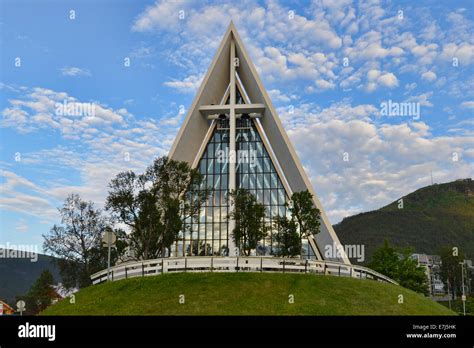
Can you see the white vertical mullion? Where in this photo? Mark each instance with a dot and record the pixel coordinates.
(232, 152)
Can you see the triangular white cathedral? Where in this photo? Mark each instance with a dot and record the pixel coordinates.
(233, 114)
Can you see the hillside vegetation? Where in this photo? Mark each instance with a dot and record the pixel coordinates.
(18, 274)
(432, 217)
(246, 294)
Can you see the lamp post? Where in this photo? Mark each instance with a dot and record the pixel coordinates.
(109, 241)
(463, 294)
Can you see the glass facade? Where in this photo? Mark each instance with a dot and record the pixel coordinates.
(255, 172)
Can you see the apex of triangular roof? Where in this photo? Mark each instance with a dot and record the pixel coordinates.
(232, 29)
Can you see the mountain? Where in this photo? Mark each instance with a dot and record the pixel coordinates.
(432, 217)
(18, 274)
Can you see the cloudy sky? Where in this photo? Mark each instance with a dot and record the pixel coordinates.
(328, 65)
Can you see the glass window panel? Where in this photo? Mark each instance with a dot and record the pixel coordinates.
(223, 214)
(274, 210)
(224, 230)
(253, 166)
(281, 196)
(224, 181)
(274, 180)
(245, 181)
(216, 214)
(266, 181)
(209, 212)
(217, 181)
(259, 179)
(259, 149)
(266, 197)
(208, 231)
(252, 180)
(274, 196)
(217, 197)
(266, 163)
(215, 247)
(259, 165)
(259, 195)
(210, 163)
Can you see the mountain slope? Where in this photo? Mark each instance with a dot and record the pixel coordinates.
(246, 294)
(18, 274)
(431, 217)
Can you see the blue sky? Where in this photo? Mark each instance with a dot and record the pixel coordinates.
(328, 66)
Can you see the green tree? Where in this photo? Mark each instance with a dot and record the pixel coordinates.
(400, 266)
(450, 270)
(157, 204)
(40, 295)
(287, 237)
(77, 241)
(304, 213)
(249, 218)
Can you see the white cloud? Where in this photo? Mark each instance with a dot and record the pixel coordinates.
(190, 84)
(464, 52)
(377, 78)
(75, 71)
(385, 161)
(161, 15)
(277, 95)
(423, 99)
(95, 149)
(428, 76)
(468, 104)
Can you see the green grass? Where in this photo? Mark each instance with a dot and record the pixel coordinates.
(246, 294)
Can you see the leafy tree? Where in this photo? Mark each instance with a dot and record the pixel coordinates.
(450, 270)
(304, 213)
(77, 241)
(249, 218)
(40, 295)
(400, 266)
(157, 204)
(304, 221)
(287, 236)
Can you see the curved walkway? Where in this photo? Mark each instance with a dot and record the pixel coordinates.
(235, 264)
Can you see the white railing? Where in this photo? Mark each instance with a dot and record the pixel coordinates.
(235, 264)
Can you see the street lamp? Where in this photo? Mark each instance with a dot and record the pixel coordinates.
(109, 241)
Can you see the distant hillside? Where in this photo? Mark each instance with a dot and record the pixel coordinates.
(432, 217)
(17, 275)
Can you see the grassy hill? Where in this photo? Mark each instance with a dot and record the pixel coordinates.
(432, 217)
(246, 294)
(18, 274)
